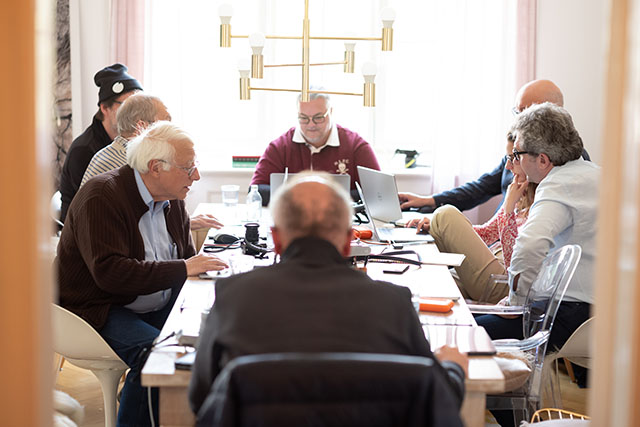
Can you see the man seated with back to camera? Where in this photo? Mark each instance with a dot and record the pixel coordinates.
(317, 143)
(475, 193)
(316, 301)
(126, 250)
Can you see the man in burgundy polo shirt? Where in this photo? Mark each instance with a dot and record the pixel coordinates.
(317, 143)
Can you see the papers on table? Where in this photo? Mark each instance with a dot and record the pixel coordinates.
(472, 340)
(443, 258)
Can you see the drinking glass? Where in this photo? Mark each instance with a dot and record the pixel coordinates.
(230, 195)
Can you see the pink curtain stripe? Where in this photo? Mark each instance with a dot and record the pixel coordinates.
(526, 42)
(127, 35)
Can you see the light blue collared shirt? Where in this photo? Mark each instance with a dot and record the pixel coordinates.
(158, 246)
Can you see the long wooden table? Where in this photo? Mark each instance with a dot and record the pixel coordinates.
(198, 294)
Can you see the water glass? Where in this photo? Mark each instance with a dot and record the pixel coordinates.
(230, 195)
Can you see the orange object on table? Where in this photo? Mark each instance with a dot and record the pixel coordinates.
(360, 232)
(437, 305)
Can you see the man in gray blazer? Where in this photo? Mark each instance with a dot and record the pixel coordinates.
(312, 301)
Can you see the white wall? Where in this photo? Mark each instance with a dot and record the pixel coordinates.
(571, 48)
(90, 29)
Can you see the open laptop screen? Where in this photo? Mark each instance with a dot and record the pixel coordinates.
(277, 179)
(381, 193)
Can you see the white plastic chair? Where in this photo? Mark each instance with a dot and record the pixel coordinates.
(55, 207)
(81, 345)
(576, 350)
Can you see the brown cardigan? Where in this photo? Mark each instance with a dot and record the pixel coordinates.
(100, 258)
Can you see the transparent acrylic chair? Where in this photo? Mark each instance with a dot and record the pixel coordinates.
(538, 313)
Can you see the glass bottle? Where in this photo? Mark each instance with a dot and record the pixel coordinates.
(254, 204)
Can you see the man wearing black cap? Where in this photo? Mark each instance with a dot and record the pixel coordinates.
(115, 85)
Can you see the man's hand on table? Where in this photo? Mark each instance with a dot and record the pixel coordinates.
(451, 354)
(205, 221)
(422, 225)
(412, 200)
(204, 262)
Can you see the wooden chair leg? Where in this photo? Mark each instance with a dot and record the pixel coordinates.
(567, 365)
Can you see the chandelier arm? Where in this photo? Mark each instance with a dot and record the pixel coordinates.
(347, 38)
(275, 89)
(244, 36)
(272, 89)
(300, 65)
(336, 93)
(283, 65)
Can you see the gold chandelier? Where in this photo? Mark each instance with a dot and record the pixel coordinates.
(257, 42)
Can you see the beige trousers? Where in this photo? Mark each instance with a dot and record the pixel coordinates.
(453, 232)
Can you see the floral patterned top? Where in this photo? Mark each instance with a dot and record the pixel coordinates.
(502, 228)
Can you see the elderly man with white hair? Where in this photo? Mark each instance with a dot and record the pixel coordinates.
(126, 251)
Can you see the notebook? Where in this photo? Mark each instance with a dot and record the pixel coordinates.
(277, 179)
(391, 233)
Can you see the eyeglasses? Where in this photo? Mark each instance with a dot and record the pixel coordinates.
(189, 171)
(317, 119)
(517, 154)
(508, 158)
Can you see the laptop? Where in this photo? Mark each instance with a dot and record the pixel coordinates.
(391, 234)
(277, 179)
(381, 193)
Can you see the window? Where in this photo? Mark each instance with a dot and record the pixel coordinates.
(444, 90)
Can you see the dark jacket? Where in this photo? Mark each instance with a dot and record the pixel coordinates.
(312, 301)
(101, 257)
(475, 193)
(80, 153)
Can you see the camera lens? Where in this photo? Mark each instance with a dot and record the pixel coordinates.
(251, 232)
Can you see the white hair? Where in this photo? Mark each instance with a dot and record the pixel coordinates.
(156, 142)
(138, 107)
(314, 96)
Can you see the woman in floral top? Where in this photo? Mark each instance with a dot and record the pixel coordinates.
(453, 232)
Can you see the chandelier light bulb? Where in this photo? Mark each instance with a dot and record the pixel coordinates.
(225, 11)
(256, 41)
(369, 70)
(388, 15)
(244, 67)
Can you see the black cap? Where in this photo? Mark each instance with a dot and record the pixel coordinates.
(114, 81)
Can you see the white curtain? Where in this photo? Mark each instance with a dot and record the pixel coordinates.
(445, 90)
(127, 35)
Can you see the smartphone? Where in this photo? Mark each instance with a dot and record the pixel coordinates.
(396, 270)
(186, 362)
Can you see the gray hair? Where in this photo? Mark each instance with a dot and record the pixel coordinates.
(138, 107)
(323, 214)
(156, 142)
(547, 128)
(313, 96)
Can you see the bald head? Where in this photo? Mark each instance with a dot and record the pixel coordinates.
(312, 205)
(538, 92)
